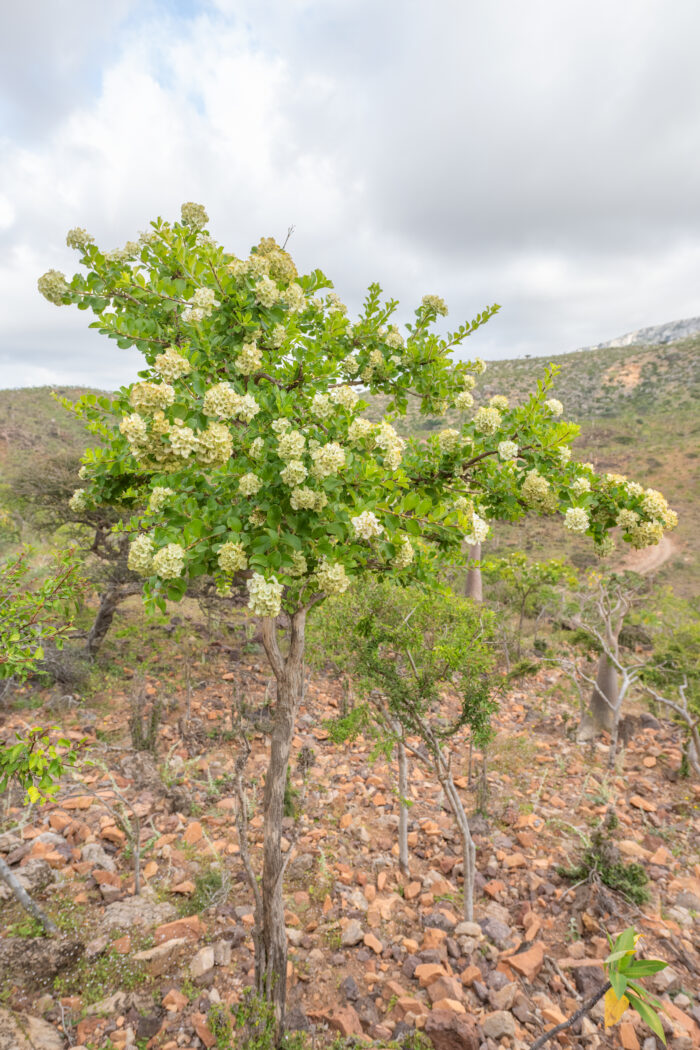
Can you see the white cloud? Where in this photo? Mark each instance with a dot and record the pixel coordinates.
(542, 155)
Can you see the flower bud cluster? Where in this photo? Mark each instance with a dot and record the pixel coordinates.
(463, 401)
(159, 498)
(79, 501)
(576, 519)
(344, 396)
(294, 298)
(290, 445)
(53, 286)
(232, 557)
(294, 473)
(304, 498)
(500, 402)
(249, 360)
(580, 486)
(487, 420)
(79, 238)
(249, 484)
(478, 532)
(434, 302)
(327, 460)
(404, 553)
(149, 397)
(194, 215)
(555, 406)
(140, 558)
(169, 561)
(508, 450)
(172, 365)
(222, 400)
(367, 525)
(266, 292)
(331, 578)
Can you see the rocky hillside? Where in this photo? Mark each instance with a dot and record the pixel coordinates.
(655, 335)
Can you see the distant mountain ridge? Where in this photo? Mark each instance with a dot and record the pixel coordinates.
(654, 335)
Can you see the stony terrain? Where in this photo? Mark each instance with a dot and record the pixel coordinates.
(373, 954)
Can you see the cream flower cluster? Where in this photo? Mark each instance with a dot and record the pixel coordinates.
(223, 401)
(564, 454)
(487, 420)
(555, 406)
(627, 519)
(646, 534)
(79, 238)
(183, 440)
(79, 501)
(392, 445)
(294, 298)
(576, 519)
(249, 360)
(172, 365)
(344, 396)
(404, 554)
(265, 595)
(304, 498)
(463, 401)
(169, 561)
(654, 504)
(350, 365)
(331, 577)
(290, 445)
(194, 215)
(335, 303)
(479, 530)
(214, 445)
(434, 302)
(508, 450)
(321, 406)
(536, 490)
(579, 486)
(159, 497)
(205, 299)
(280, 425)
(53, 286)
(249, 484)
(394, 339)
(294, 473)
(149, 397)
(257, 447)
(299, 565)
(135, 430)
(366, 525)
(360, 429)
(232, 557)
(140, 558)
(327, 460)
(449, 441)
(276, 337)
(266, 292)
(499, 401)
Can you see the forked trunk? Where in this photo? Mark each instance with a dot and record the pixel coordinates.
(604, 702)
(271, 949)
(472, 588)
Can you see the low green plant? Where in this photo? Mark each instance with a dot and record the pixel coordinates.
(600, 860)
(254, 1020)
(98, 978)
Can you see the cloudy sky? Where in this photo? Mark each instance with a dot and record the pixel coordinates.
(540, 154)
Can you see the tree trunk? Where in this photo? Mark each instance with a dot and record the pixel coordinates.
(472, 588)
(23, 898)
(403, 808)
(271, 953)
(468, 847)
(606, 687)
(109, 601)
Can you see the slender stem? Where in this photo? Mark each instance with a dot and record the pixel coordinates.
(23, 898)
(585, 1008)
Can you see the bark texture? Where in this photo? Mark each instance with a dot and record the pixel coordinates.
(472, 588)
(403, 808)
(23, 898)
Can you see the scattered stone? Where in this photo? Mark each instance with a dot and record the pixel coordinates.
(113, 1004)
(468, 929)
(345, 1020)
(450, 1030)
(96, 855)
(159, 959)
(528, 963)
(350, 989)
(34, 876)
(38, 959)
(202, 962)
(352, 934)
(190, 927)
(22, 1032)
(174, 1001)
(136, 911)
(496, 931)
(498, 1024)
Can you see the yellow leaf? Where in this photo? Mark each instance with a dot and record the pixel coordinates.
(614, 1007)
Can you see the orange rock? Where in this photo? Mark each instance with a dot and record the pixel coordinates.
(190, 927)
(494, 888)
(122, 945)
(450, 1004)
(59, 820)
(628, 1036)
(113, 834)
(412, 890)
(346, 1021)
(433, 938)
(203, 1030)
(642, 803)
(468, 976)
(186, 888)
(426, 973)
(374, 943)
(79, 802)
(528, 963)
(193, 833)
(515, 860)
(174, 1001)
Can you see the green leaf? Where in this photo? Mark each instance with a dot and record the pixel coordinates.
(649, 1016)
(643, 967)
(619, 983)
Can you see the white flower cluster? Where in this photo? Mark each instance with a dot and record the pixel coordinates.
(294, 473)
(214, 445)
(335, 303)
(627, 519)
(304, 498)
(249, 484)
(634, 488)
(134, 429)
(205, 299)
(321, 406)
(654, 504)
(257, 447)
(266, 292)
(477, 366)
(280, 425)
(564, 454)
(159, 498)
(169, 561)
(392, 445)
(294, 298)
(265, 595)
(579, 486)
(290, 445)
(249, 360)
(194, 215)
(53, 286)
(331, 577)
(79, 238)
(350, 365)
(172, 365)
(183, 440)
(79, 501)
(449, 441)
(394, 339)
(500, 402)
(232, 557)
(555, 406)
(149, 397)
(479, 531)
(83, 473)
(327, 459)
(404, 553)
(344, 396)
(223, 401)
(434, 302)
(576, 519)
(366, 525)
(646, 534)
(487, 420)
(508, 450)
(360, 429)
(463, 401)
(276, 337)
(140, 557)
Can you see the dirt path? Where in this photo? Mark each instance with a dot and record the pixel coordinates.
(651, 558)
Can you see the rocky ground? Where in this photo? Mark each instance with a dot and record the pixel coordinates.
(373, 955)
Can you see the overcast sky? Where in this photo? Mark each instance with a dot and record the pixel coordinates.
(540, 154)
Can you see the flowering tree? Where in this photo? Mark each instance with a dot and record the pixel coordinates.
(242, 451)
